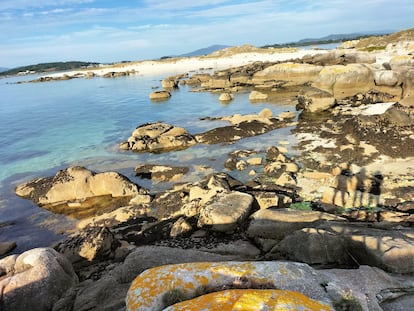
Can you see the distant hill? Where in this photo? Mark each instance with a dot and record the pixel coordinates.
(200, 52)
(348, 36)
(333, 38)
(3, 69)
(205, 51)
(48, 67)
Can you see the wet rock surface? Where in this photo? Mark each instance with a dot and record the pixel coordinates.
(160, 172)
(243, 126)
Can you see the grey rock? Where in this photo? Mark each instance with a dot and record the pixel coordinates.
(35, 280)
(226, 212)
(278, 223)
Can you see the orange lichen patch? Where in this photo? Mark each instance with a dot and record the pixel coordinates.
(250, 300)
(149, 290)
(218, 301)
(236, 270)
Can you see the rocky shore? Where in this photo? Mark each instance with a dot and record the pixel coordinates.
(329, 228)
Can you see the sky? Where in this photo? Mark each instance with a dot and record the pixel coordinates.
(39, 31)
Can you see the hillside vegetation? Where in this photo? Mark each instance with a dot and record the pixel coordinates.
(404, 35)
(48, 67)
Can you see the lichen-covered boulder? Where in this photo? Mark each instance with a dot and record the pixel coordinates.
(365, 288)
(34, 280)
(250, 299)
(153, 288)
(158, 137)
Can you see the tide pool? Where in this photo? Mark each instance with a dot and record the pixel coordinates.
(48, 126)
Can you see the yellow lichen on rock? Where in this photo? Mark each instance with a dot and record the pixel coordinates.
(250, 300)
(150, 290)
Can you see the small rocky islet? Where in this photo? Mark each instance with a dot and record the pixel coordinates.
(327, 229)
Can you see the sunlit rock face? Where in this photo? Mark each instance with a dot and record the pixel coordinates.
(158, 137)
(34, 280)
(78, 191)
(263, 285)
(158, 287)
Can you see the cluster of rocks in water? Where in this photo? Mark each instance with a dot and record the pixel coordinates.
(320, 224)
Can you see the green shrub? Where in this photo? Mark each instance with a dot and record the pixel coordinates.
(302, 206)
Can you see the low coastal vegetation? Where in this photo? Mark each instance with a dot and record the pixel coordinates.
(331, 39)
(49, 67)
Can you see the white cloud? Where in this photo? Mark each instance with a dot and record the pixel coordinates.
(181, 5)
(32, 4)
(161, 28)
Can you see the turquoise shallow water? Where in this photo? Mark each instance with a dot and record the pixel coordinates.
(48, 126)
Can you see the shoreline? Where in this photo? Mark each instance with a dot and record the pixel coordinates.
(220, 60)
(185, 64)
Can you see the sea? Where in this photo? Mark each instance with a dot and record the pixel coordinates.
(45, 127)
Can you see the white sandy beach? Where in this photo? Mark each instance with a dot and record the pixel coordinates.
(216, 61)
(174, 66)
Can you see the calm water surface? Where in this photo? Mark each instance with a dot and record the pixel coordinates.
(45, 127)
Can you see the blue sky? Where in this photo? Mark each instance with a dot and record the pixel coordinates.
(36, 31)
